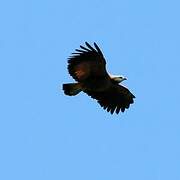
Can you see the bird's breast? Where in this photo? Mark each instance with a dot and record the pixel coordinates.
(96, 84)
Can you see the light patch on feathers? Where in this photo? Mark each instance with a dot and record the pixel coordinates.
(82, 71)
(80, 74)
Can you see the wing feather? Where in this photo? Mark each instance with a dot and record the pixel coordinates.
(78, 50)
(118, 109)
(82, 47)
(115, 99)
(98, 49)
(90, 47)
(87, 62)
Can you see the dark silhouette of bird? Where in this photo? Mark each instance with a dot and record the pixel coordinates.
(88, 68)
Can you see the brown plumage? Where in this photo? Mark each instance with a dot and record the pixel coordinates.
(88, 67)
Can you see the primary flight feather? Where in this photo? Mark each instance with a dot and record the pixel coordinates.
(88, 67)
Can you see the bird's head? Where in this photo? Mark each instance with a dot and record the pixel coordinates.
(118, 79)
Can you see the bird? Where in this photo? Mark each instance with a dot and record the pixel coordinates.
(87, 66)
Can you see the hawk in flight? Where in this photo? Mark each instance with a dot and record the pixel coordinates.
(88, 68)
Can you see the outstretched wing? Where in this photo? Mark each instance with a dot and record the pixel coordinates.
(87, 62)
(115, 98)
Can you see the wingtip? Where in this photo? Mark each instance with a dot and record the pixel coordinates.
(87, 44)
(98, 49)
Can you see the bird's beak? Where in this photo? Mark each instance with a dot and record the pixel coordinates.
(124, 78)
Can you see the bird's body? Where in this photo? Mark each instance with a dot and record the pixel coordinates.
(88, 67)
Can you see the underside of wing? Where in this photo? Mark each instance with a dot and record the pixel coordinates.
(115, 99)
(87, 62)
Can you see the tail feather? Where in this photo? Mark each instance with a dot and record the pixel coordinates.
(72, 89)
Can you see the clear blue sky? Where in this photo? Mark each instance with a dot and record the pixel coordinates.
(45, 135)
